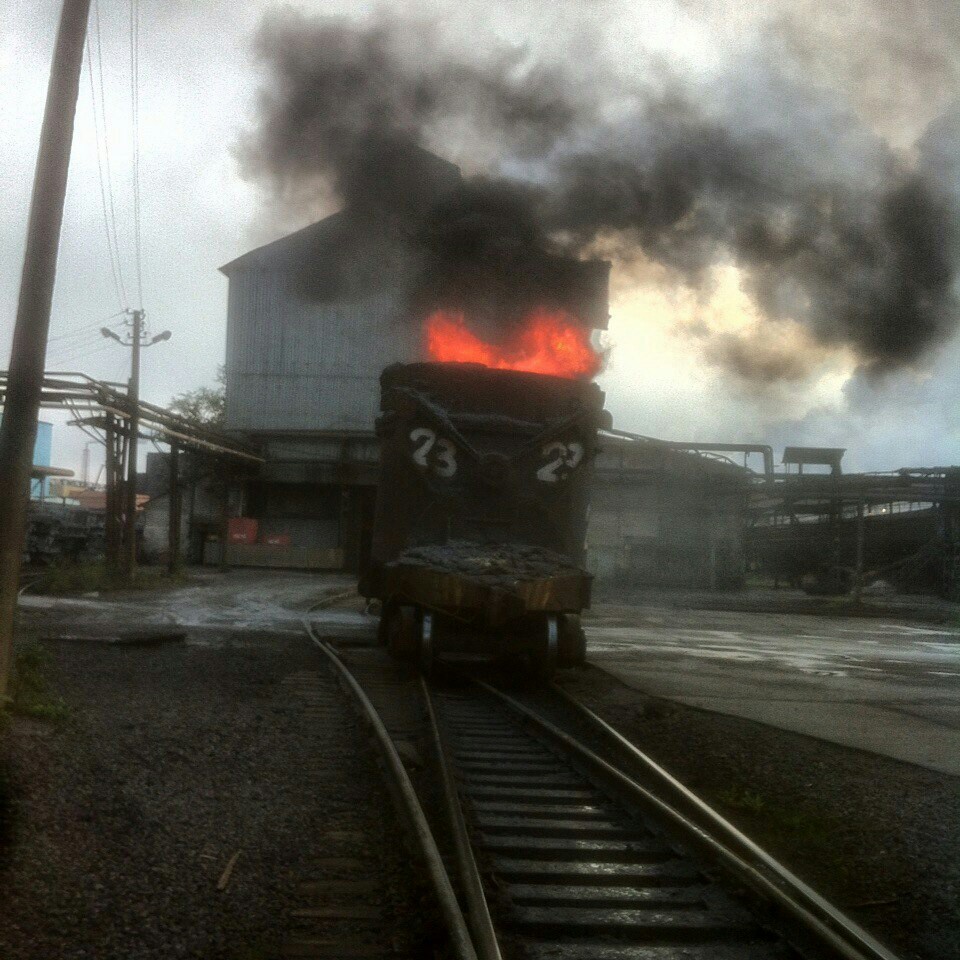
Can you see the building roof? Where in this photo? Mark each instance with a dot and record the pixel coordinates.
(374, 241)
(309, 241)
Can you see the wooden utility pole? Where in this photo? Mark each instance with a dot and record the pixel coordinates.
(28, 355)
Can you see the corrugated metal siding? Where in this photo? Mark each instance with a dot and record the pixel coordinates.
(299, 365)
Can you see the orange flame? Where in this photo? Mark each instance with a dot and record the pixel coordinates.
(548, 342)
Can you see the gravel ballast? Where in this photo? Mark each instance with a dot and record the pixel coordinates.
(877, 837)
(174, 761)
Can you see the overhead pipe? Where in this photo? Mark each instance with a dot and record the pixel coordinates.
(762, 448)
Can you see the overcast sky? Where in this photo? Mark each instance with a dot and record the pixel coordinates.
(895, 67)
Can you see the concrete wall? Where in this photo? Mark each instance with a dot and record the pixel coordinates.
(156, 521)
(663, 518)
(199, 513)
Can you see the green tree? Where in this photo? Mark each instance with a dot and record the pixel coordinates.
(205, 405)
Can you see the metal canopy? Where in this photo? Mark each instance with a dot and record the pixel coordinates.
(815, 456)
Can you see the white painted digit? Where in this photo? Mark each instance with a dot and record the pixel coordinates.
(446, 465)
(574, 454)
(548, 472)
(564, 455)
(444, 460)
(425, 439)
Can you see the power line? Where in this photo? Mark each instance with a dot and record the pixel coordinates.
(106, 151)
(75, 338)
(103, 192)
(75, 346)
(83, 351)
(106, 183)
(135, 106)
(76, 331)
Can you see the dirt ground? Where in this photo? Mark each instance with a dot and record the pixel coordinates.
(172, 762)
(121, 819)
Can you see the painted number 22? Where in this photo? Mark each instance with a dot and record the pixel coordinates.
(564, 457)
(443, 461)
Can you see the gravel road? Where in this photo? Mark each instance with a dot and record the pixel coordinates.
(175, 758)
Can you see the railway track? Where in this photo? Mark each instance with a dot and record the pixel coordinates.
(548, 837)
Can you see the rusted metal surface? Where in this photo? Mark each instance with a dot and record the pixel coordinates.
(103, 400)
(409, 806)
(805, 529)
(471, 883)
(473, 457)
(442, 590)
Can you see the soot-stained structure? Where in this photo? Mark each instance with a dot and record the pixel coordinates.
(313, 319)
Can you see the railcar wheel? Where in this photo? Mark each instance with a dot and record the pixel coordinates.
(544, 658)
(428, 660)
(572, 645)
(402, 632)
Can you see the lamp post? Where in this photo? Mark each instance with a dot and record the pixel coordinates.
(136, 340)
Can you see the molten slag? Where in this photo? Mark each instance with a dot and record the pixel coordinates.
(549, 341)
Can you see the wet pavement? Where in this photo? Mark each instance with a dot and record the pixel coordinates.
(886, 686)
(212, 607)
(889, 687)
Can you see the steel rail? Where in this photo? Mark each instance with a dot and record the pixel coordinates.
(708, 818)
(715, 836)
(403, 789)
(478, 912)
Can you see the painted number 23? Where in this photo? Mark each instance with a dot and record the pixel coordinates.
(443, 461)
(563, 457)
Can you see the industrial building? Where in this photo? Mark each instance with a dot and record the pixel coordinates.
(312, 320)
(302, 383)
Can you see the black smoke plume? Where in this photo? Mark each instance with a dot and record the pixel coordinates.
(828, 225)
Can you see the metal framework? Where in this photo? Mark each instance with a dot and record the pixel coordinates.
(795, 519)
(814, 509)
(104, 411)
